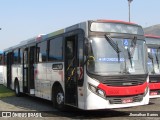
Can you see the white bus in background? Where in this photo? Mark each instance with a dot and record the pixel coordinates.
(153, 44)
(96, 64)
(1, 67)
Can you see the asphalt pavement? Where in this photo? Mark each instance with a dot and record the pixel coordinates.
(33, 108)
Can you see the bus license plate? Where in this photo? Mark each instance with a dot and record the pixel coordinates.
(127, 100)
(153, 93)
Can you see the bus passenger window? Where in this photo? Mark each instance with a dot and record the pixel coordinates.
(42, 51)
(55, 49)
(21, 56)
(0, 59)
(25, 57)
(69, 49)
(16, 56)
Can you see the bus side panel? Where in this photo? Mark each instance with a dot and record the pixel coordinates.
(5, 75)
(46, 85)
(17, 74)
(20, 78)
(54, 75)
(45, 77)
(82, 92)
(40, 79)
(1, 74)
(14, 75)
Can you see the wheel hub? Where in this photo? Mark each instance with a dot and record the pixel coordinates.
(60, 98)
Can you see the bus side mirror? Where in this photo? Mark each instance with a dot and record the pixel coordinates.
(89, 58)
(88, 49)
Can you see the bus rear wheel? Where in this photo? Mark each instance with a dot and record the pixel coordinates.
(58, 99)
(17, 91)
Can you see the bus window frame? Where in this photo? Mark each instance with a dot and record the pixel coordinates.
(37, 52)
(62, 47)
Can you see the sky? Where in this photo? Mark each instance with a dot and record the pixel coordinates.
(24, 19)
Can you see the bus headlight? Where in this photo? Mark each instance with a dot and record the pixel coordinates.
(101, 93)
(96, 90)
(92, 88)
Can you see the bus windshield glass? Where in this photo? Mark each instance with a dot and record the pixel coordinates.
(153, 55)
(154, 61)
(129, 59)
(116, 28)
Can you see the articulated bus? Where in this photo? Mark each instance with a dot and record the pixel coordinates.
(1, 67)
(91, 65)
(153, 43)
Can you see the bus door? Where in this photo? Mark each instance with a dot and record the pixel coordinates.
(25, 70)
(9, 69)
(31, 60)
(73, 61)
(70, 70)
(28, 70)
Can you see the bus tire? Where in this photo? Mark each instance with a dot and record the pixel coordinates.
(58, 99)
(17, 91)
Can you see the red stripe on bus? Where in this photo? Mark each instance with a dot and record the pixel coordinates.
(154, 86)
(116, 21)
(152, 36)
(121, 91)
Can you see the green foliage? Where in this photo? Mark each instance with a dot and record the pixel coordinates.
(5, 92)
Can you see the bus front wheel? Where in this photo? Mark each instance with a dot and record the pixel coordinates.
(58, 99)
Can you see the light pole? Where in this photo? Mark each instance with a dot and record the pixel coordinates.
(129, 4)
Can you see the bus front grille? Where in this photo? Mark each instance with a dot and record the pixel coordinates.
(119, 100)
(154, 78)
(126, 80)
(155, 91)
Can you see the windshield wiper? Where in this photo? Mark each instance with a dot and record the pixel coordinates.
(133, 45)
(151, 58)
(114, 45)
(157, 58)
(131, 51)
(130, 57)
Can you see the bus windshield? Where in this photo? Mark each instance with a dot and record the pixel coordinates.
(129, 60)
(154, 60)
(153, 55)
(116, 28)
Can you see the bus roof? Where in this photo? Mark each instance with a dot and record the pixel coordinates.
(152, 36)
(116, 21)
(25, 42)
(42, 37)
(152, 40)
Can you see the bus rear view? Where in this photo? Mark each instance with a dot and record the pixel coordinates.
(153, 43)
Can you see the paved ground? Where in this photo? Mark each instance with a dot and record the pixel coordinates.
(27, 104)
